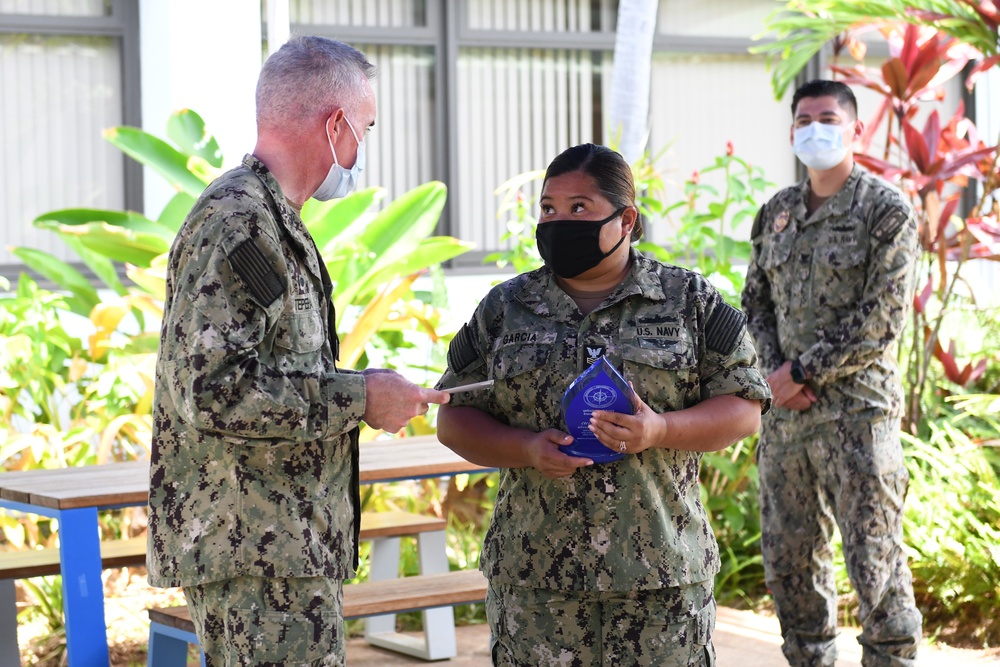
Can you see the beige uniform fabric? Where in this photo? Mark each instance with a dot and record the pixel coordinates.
(253, 469)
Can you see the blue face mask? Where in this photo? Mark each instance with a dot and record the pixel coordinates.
(339, 182)
(819, 146)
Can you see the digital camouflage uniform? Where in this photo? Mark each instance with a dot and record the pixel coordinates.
(834, 290)
(635, 527)
(253, 473)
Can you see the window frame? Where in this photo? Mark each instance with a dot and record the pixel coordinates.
(122, 24)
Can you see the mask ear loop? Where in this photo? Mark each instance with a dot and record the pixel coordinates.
(329, 139)
(615, 215)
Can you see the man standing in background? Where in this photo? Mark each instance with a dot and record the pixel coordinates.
(828, 291)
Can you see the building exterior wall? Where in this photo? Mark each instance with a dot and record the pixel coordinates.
(470, 92)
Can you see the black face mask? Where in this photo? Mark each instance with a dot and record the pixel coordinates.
(570, 247)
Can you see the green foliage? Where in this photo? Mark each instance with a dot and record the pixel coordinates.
(952, 525)
(798, 31)
(521, 253)
(373, 256)
(61, 404)
(729, 491)
(703, 238)
(47, 594)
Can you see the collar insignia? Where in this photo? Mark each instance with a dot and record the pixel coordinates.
(781, 221)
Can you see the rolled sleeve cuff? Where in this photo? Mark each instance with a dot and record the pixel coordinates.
(748, 384)
(344, 393)
(811, 363)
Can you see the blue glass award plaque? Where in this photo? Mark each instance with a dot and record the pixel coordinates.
(600, 387)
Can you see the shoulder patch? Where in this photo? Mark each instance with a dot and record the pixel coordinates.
(888, 223)
(250, 264)
(724, 328)
(462, 352)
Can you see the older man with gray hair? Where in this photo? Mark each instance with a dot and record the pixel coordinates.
(254, 504)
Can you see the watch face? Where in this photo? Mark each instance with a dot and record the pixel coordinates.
(798, 374)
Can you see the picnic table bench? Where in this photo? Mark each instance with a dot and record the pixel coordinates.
(74, 496)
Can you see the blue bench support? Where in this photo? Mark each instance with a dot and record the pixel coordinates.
(168, 647)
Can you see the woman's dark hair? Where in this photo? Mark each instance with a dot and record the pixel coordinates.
(609, 170)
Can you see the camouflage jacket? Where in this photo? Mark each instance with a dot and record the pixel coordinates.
(834, 290)
(637, 523)
(253, 469)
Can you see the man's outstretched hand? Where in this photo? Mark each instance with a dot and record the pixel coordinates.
(391, 400)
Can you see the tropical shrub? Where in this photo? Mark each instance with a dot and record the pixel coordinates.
(373, 254)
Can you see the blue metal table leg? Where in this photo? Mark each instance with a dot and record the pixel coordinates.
(83, 590)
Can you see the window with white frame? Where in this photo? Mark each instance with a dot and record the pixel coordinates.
(474, 92)
(64, 79)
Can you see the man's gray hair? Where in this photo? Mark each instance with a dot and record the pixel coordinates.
(307, 76)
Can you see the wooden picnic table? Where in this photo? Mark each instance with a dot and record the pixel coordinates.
(73, 496)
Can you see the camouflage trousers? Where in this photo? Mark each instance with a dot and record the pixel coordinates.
(260, 622)
(666, 627)
(847, 472)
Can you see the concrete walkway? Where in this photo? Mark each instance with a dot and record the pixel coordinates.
(742, 639)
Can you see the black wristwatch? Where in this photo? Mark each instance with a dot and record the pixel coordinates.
(798, 373)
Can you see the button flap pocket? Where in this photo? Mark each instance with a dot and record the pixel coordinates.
(300, 332)
(282, 638)
(515, 360)
(659, 353)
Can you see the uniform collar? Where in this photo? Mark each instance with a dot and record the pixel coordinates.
(836, 206)
(287, 216)
(539, 286)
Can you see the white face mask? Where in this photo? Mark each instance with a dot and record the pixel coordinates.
(339, 182)
(819, 146)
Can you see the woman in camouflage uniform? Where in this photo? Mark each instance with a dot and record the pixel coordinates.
(613, 563)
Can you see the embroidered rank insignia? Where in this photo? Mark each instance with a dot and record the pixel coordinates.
(593, 354)
(781, 221)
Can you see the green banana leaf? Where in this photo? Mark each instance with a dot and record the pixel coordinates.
(429, 252)
(173, 214)
(84, 296)
(332, 220)
(118, 244)
(102, 267)
(129, 220)
(405, 222)
(158, 154)
(188, 132)
(152, 279)
(395, 232)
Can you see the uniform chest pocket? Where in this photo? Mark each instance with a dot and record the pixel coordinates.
(665, 376)
(838, 275)
(300, 332)
(527, 390)
(510, 362)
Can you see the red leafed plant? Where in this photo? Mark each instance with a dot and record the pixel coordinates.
(933, 163)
